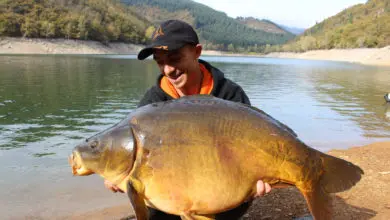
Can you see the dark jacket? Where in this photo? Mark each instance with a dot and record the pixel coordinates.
(223, 88)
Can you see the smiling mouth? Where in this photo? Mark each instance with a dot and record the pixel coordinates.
(174, 77)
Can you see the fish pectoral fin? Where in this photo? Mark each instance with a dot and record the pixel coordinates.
(319, 202)
(138, 203)
(191, 216)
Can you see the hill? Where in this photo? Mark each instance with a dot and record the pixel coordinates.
(294, 30)
(265, 25)
(360, 26)
(100, 20)
(216, 30)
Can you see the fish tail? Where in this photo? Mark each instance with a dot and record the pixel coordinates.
(319, 202)
(339, 175)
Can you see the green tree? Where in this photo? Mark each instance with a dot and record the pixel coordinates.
(30, 28)
(47, 29)
(83, 26)
(230, 47)
(101, 20)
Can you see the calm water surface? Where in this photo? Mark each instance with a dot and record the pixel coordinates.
(48, 104)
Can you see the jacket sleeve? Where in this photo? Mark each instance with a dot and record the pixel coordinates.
(152, 96)
(233, 92)
(240, 96)
(146, 99)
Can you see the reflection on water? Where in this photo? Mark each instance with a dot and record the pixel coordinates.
(47, 105)
(50, 103)
(358, 96)
(66, 97)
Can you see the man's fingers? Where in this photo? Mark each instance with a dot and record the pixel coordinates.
(267, 188)
(262, 188)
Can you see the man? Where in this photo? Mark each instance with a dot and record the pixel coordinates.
(175, 48)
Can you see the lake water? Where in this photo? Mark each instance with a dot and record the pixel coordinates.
(48, 104)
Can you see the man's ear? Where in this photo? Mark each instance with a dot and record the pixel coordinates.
(198, 50)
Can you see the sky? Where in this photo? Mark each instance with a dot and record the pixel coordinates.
(293, 13)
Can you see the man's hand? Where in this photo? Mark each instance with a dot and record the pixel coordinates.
(112, 187)
(262, 188)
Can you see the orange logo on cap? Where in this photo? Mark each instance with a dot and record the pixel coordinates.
(161, 47)
(158, 33)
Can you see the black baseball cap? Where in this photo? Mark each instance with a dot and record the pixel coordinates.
(170, 35)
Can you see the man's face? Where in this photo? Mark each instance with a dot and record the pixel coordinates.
(180, 65)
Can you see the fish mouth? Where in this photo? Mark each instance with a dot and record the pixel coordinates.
(78, 168)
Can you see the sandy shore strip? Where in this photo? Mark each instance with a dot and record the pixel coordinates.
(367, 56)
(8, 45)
(62, 46)
(369, 199)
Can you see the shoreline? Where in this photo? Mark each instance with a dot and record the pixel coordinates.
(356, 203)
(9, 45)
(365, 56)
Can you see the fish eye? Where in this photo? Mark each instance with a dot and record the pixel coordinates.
(94, 144)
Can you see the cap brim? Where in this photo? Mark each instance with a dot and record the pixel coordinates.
(147, 51)
(144, 53)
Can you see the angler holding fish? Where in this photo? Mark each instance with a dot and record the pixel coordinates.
(176, 50)
(198, 157)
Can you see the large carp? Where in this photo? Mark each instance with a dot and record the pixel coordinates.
(199, 155)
